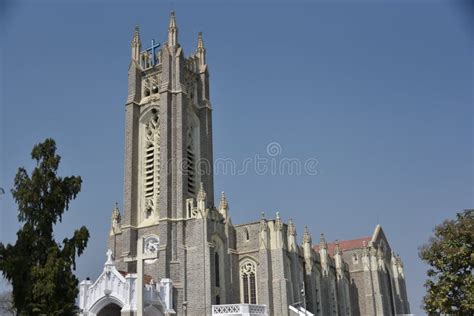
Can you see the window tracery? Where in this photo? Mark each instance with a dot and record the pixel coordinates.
(151, 164)
(248, 282)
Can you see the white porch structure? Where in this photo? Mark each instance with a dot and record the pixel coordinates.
(112, 288)
(239, 309)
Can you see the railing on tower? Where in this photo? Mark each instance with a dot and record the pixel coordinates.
(149, 57)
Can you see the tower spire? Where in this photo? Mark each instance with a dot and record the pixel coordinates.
(337, 248)
(322, 242)
(323, 254)
(136, 44)
(224, 206)
(338, 259)
(200, 41)
(201, 51)
(306, 236)
(201, 198)
(172, 31)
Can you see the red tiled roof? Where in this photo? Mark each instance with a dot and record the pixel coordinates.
(346, 244)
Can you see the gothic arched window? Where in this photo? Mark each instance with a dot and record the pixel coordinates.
(191, 161)
(248, 282)
(218, 280)
(151, 164)
(216, 268)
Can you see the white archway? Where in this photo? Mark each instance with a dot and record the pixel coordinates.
(103, 302)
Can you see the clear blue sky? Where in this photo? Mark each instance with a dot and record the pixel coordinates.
(379, 92)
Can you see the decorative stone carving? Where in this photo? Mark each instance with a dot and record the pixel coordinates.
(306, 236)
(278, 222)
(151, 247)
(291, 228)
(263, 223)
(116, 218)
(151, 166)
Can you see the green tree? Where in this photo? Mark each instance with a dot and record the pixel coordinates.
(38, 267)
(450, 287)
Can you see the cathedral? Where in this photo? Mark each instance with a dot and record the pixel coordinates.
(174, 251)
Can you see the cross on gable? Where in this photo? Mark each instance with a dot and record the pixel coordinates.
(110, 260)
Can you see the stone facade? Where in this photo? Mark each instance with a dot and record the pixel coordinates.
(168, 194)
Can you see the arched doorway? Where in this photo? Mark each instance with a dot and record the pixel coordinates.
(110, 309)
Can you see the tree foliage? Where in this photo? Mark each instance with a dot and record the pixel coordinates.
(450, 287)
(38, 267)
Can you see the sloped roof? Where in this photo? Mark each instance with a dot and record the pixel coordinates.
(346, 244)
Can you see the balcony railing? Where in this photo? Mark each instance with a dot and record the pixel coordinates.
(239, 309)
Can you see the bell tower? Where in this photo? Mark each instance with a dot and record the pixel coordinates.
(168, 137)
(168, 154)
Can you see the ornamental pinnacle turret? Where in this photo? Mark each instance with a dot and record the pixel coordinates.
(136, 44)
(172, 31)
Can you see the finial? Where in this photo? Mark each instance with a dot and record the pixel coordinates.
(322, 241)
(291, 228)
(136, 36)
(337, 248)
(116, 213)
(201, 193)
(306, 236)
(172, 30)
(136, 44)
(200, 41)
(278, 222)
(172, 24)
(223, 205)
(173, 16)
(201, 51)
(263, 223)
